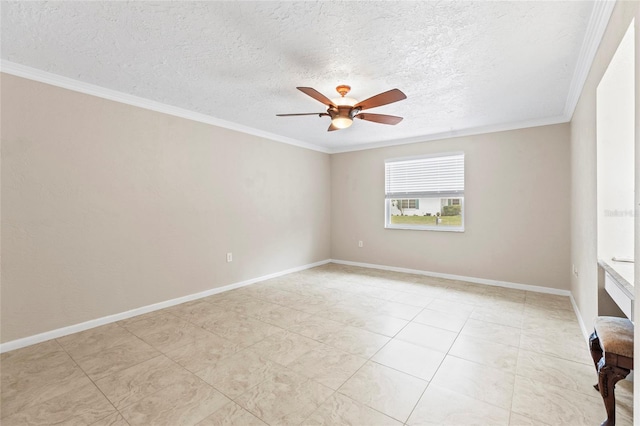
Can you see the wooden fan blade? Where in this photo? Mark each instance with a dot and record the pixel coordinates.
(304, 113)
(391, 96)
(332, 128)
(316, 95)
(380, 118)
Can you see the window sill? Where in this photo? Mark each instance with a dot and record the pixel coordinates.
(427, 228)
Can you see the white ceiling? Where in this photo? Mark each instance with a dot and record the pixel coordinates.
(464, 66)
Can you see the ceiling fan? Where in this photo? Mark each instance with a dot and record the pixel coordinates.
(343, 110)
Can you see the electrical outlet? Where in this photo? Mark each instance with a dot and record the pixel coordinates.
(229, 257)
(360, 244)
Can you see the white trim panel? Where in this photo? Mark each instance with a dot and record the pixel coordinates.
(53, 334)
(598, 22)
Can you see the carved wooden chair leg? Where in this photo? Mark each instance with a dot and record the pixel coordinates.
(608, 376)
(596, 353)
(611, 346)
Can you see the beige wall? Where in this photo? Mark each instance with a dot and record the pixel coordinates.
(108, 207)
(517, 192)
(584, 287)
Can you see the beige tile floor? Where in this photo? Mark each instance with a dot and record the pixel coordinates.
(331, 345)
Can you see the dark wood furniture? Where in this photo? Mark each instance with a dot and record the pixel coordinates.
(611, 345)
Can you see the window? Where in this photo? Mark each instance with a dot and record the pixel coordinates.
(425, 192)
(408, 204)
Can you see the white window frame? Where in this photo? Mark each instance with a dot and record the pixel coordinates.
(416, 193)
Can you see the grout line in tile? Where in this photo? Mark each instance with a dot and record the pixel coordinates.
(370, 358)
(92, 382)
(406, 422)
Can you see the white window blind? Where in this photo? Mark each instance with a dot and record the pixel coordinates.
(441, 176)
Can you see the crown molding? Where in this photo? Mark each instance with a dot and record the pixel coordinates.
(493, 128)
(598, 21)
(24, 71)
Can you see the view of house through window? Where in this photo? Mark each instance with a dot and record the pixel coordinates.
(425, 193)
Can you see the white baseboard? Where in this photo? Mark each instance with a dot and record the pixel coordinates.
(583, 328)
(496, 283)
(527, 287)
(53, 334)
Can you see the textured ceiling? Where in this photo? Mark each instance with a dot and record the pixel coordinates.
(462, 65)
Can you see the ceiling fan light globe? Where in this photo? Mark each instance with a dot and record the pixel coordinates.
(342, 122)
(344, 101)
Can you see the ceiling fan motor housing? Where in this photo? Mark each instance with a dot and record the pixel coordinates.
(345, 111)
